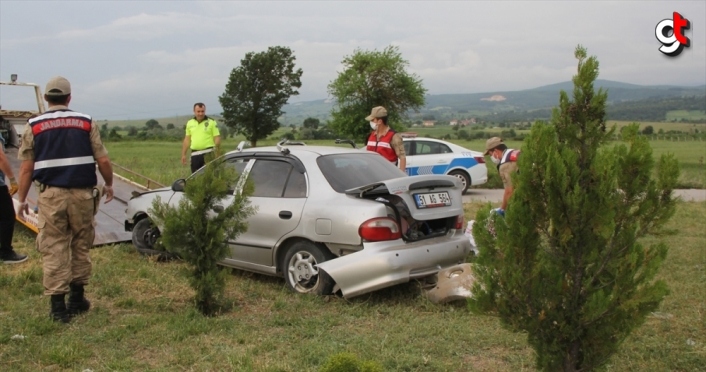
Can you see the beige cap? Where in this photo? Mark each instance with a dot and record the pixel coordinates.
(492, 143)
(377, 112)
(58, 86)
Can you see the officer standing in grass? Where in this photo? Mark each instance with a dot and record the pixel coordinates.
(506, 161)
(203, 137)
(59, 152)
(7, 211)
(384, 140)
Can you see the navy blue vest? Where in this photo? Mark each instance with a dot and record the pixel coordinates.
(63, 156)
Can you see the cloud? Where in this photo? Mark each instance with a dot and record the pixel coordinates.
(126, 55)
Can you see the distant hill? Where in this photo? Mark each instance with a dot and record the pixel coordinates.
(538, 100)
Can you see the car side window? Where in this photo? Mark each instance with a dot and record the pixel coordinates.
(269, 178)
(238, 164)
(427, 148)
(407, 147)
(296, 185)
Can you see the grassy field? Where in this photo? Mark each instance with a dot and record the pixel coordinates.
(142, 319)
(161, 161)
(686, 114)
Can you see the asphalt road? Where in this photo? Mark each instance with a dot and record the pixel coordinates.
(496, 195)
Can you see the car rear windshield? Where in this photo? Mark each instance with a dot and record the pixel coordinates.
(347, 171)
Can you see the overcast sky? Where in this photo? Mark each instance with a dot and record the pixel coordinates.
(144, 59)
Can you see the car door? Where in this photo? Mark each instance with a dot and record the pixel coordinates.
(411, 160)
(279, 191)
(429, 158)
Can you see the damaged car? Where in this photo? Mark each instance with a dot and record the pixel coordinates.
(331, 219)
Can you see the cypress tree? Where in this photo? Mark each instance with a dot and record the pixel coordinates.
(198, 232)
(566, 265)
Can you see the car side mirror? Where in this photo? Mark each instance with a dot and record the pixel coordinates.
(179, 185)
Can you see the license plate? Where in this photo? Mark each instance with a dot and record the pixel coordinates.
(432, 200)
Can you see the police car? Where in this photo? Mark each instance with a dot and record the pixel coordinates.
(431, 156)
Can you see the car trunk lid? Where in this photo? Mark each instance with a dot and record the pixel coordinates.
(427, 197)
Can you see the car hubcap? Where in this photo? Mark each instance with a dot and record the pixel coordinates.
(462, 178)
(151, 236)
(302, 271)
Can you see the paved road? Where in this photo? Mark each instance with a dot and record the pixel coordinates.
(110, 220)
(496, 195)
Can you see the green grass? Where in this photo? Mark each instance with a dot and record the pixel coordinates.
(161, 160)
(142, 318)
(686, 114)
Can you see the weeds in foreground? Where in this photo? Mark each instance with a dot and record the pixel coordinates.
(143, 319)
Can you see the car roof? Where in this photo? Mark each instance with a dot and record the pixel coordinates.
(295, 149)
(452, 145)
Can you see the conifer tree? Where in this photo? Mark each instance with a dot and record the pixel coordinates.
(566, 265)
(199, 227)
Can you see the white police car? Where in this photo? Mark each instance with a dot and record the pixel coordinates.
(431, 156)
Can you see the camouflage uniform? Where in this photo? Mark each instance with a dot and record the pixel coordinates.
(65, 222)
(398, 145)
(506, 171)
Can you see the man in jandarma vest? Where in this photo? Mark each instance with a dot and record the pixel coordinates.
(506, 161)
(384, 140)
(59, 152)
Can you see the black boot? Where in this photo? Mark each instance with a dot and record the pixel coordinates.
(77, 304)
(58, 309)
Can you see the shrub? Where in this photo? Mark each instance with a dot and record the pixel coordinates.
(199, 235)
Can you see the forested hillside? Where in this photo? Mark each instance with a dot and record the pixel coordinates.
(625, 102)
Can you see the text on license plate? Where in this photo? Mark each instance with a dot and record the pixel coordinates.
(432, 199)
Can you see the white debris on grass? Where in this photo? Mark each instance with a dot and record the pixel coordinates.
(659, 315)
(469, 234)
(17, 337)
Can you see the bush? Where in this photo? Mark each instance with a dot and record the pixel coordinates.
(566, 265)
(347, 362)
(198, 235)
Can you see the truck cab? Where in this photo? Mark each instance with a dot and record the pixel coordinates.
(12, 121)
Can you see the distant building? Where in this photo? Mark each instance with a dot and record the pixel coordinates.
(453, 123)
(428, 123)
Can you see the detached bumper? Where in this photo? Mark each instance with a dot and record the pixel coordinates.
(453, 284)
(384, 264)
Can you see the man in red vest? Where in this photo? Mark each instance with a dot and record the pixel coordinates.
(506, 161)
(384, 140)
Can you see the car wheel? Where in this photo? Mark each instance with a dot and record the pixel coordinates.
(145, 236)
(465, 179)
(301, 271)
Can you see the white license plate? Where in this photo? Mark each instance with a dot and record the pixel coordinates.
(432, 200)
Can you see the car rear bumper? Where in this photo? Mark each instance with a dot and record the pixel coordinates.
(383, 264)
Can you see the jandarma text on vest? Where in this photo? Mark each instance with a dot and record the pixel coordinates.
(61, 123)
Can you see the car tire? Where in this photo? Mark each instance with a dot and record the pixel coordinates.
(464, 177)
(300, 271)
(144, 237)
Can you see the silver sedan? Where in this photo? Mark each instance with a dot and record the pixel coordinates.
(332, 219)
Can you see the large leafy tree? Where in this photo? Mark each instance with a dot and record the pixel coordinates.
(257, 90)
(567, 266)
(369, 79)
(312, 123)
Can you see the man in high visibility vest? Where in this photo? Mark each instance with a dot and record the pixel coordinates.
(506, 161)
(384, 140)
(203, 137)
